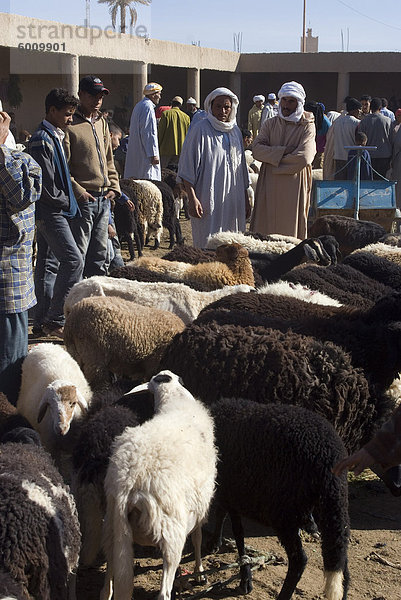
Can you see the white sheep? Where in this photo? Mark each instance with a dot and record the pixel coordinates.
(159, 484)
(275, 245)
(177, 298)
(149, 202)
(297, 290)
(53, 392)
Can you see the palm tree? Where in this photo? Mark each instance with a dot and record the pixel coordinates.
(123, 5)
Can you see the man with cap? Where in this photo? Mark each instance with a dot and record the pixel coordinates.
(143, 149)
(94, 177)
(255, 114)
(270, 109)
(191, 107)
(173, 127)
(286, 146)
(342, 133)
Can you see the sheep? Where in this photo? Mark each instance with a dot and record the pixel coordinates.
(232, 267)
(376, 267)
(267, 365)
(350, 233)
(373, 337)
(170, 217)
(177, 298)
(53, 393)
(110, 413)
(134, 273)
(149, 202)
(269, 267)
(39, 529)
(127, 228)
(275, 467)
(341, 282)
(270, 246)
(9, 588)
(159, 484)
(387, 251)
(177, 187)
(296, 290)
(110, 335)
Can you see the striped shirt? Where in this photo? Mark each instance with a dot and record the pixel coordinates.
(20, 188)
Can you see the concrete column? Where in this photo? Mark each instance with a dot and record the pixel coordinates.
(71, 73)
(193, 85)
(140, 80)
(235, 86)
(342, 89)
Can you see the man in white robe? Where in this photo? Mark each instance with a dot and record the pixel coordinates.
(213, 168)
(143, 161)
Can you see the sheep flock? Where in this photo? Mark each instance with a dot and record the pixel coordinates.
(226, 381)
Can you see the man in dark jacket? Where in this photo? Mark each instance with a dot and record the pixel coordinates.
(59, 260)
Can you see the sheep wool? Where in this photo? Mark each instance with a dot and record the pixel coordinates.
(110, 335)
(280, 245)
(177, 298)
(159, 485)
(266, 365)
(275, 468)
(232, 267)
(42, 553)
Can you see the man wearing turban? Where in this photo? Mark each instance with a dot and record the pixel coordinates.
(286, 147)
(255, 114)
(143, 161)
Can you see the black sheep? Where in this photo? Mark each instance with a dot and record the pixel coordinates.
(109, 414)
(128, 229)
(350, 233)
(267, 365)
(170, 218)
(380, 269)
(39, 529)
(372, 337)
(275, 468)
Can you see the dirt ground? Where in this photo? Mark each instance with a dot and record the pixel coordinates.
(374, 552)
(374, 558)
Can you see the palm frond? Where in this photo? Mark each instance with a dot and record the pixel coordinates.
(134, 16)
(113, 12)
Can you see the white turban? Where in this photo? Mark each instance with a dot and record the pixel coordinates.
(232, 119)
(292, 89)
(260, 97)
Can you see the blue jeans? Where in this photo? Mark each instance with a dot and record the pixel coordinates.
(59, 265)
(13, 349)
(91, 234)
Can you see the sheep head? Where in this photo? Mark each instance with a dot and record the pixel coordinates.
(166, 387)
(230, 252)
(61, 399)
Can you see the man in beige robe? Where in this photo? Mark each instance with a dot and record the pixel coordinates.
(286, 147)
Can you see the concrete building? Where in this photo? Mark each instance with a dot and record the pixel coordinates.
(45, 54)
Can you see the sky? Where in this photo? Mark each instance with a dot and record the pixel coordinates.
(265, 26)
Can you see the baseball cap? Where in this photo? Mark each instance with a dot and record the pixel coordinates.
(93, 85)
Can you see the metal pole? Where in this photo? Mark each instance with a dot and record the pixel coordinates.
(357, 183)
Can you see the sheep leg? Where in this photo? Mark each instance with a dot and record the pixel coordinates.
(72, 586)
(171, 232)
(215, 542)
(245, 569)
(131, 248)
(178, 233)
(107, 589)
(296, 563)
(171, 560)
(196, 537)
(158, 236)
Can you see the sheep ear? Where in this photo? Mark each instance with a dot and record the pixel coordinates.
(42, 411)
(139, 388)
(82, 402)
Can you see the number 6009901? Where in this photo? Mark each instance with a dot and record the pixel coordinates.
(42, 47)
